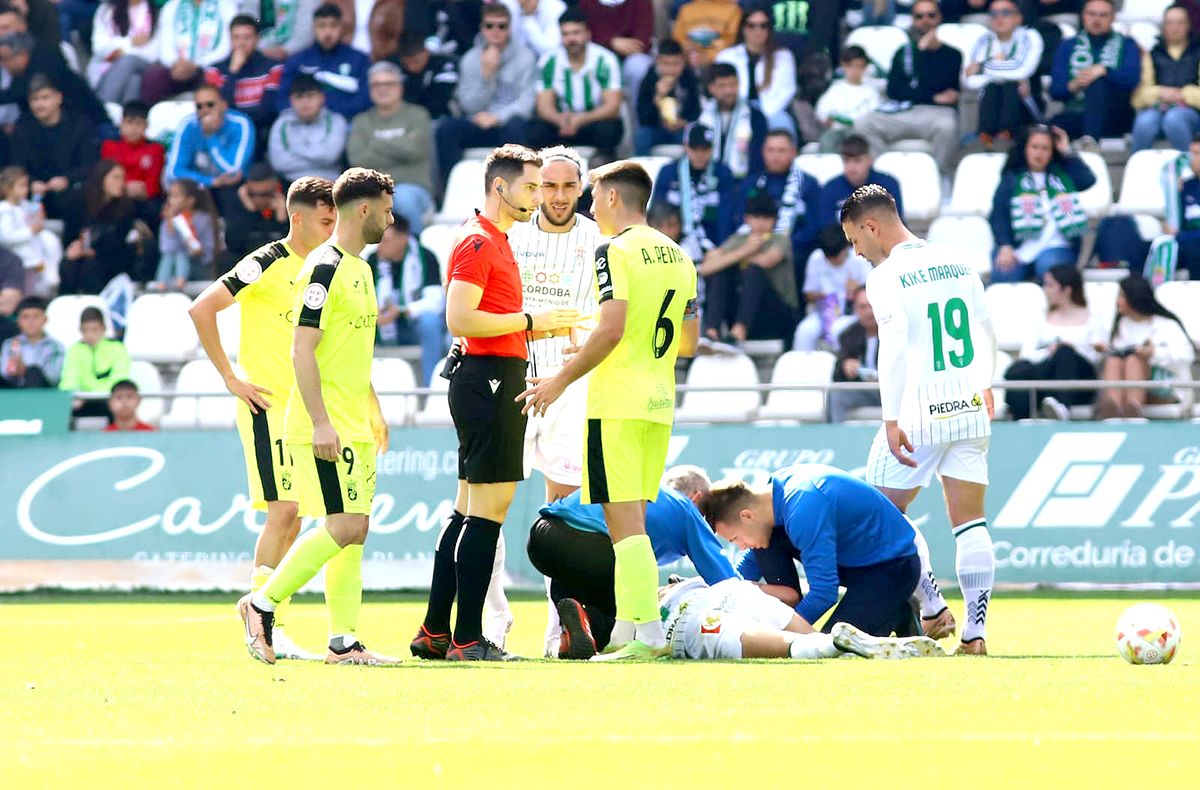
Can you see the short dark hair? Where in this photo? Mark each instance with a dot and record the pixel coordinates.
(125, 384)
(761, 204)
(853, 52)
(669, 46)
(507, 162)
(719, 71)
(361, 183)
(135, 109)
(31, 303)
(496, 9)
(261, 171)
(310, 191)
(328, 11)
(629, 179)
(574, 15)
(832, 241)
(662, 211)
(1111, 3)
(868, 199)
(92, 315)
(41, 82)
(779, 131)
(723, 502)
(244, 20)
(411, 42)
(304, 83)
(854, 145)
(400, 224)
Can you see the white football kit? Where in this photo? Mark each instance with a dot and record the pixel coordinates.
(936, 356)
(558, 271)
(703, 622)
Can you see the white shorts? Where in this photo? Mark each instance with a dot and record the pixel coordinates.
(554, 441)
(712, 625)
(962, 460)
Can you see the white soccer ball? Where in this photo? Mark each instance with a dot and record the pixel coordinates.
(1148, 634)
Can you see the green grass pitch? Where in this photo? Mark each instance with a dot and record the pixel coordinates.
(157, 692)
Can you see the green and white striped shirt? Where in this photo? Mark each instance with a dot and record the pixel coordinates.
(580, 91)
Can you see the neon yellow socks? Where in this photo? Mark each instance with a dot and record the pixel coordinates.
(308, 554)
(343, 590)
(636, 580)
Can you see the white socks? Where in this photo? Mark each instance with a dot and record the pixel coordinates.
(927, 592)
(497, 614)
(808, 646)
(624, 631)
(650, 633)
(553, 624)
(975, 562)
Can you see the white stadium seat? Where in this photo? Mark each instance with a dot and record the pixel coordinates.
(62, 316)
(728, 406)
(975, 183)
(1149, 228)
(961, 36)
(1014, 307)
(1183, 299)
(799, 367)
(879, 41)
(1141, 187)
(188, 411)
(1143, 11)
(165, 118)
(1096, 200)
(160, 330)
(439, 239)
(652, 164)
(920, 182)
(389, 374)
(436, 411)
(1003, 361)
(464, 193)
(1145, 33)
(1101, 298)
(822, 167)
(148, 380)
(969, 236)
(115, 112)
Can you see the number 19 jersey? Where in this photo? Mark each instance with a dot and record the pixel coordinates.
(930, 303)
(649, 272)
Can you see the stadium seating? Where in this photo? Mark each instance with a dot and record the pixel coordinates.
(975, 183)
(439, 239)
(799, 367)
(1014, 308)
(1096, 200)
(1004, 360)
(436, 411)
(961, 35)
(148, 381)
(165, 117)
(464, 193)
(880, 42)
(1143, 32)
(920, 182)
(159, 329)
(115, 112)
(1102, 301)
(822, 167)
(730, 406)
(198, 411)
(62, 316)
(1183, 299)
(652, 164)
(1141, 187)
(970, 237)
(1142, 11)
(390, 375)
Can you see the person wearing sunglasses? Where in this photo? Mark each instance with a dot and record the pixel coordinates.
(495, 93)
(1094, 74)
(766, 70)
(922, 92)
(214, 148)
(1168, 96)
(1000, 66)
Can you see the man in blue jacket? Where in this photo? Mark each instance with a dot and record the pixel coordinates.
(570, 545)
(341, 69)
(1094, 75)
(858, 168)
(701, 188)
(842, 530)
(214, 148)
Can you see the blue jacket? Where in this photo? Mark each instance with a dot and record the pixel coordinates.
(674, 525)
(202, 158)
(343, 72)
(833, 521)
(1189, 196)
(1126, 76)
(835, 192)
(1073, 167)
(805, 225)
(722, 206)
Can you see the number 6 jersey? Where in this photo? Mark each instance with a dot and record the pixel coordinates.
(936, 348)
(648, 271)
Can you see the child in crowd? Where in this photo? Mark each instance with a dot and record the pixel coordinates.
(93, 364)
(846, 99)
(833, 274)
(23, 231)
(187, 237)
(142, 159)
(123, 402)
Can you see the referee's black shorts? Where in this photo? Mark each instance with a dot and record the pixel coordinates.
(489, 422)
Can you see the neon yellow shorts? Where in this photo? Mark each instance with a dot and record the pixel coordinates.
(262, 444)
(623, 460)
(325, 488)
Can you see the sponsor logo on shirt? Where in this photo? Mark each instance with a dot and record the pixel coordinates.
(711, 624)
(946, 409)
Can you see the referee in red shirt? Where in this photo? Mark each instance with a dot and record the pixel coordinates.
(483, 307)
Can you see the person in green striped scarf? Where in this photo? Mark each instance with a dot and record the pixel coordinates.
(1036, 218)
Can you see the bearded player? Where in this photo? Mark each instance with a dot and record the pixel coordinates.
(262, 283)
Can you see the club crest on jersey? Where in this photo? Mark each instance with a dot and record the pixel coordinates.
(286, 481)
(351, 490)
(946, 409)
(711, 624)
(248, 271)
(315, 296)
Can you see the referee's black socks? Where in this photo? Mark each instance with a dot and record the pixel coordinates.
(444, 584)
(476, 555)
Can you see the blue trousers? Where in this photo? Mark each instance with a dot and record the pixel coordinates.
(1177, 124)
(876, 599)
(1044, 262)
(1106, 113)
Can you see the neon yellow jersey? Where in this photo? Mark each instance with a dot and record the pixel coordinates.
(648, 271)
(263, 283)
(335, 292)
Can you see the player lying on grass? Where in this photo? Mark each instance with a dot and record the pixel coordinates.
(570, 545)
(843, 530)
(736, 619)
